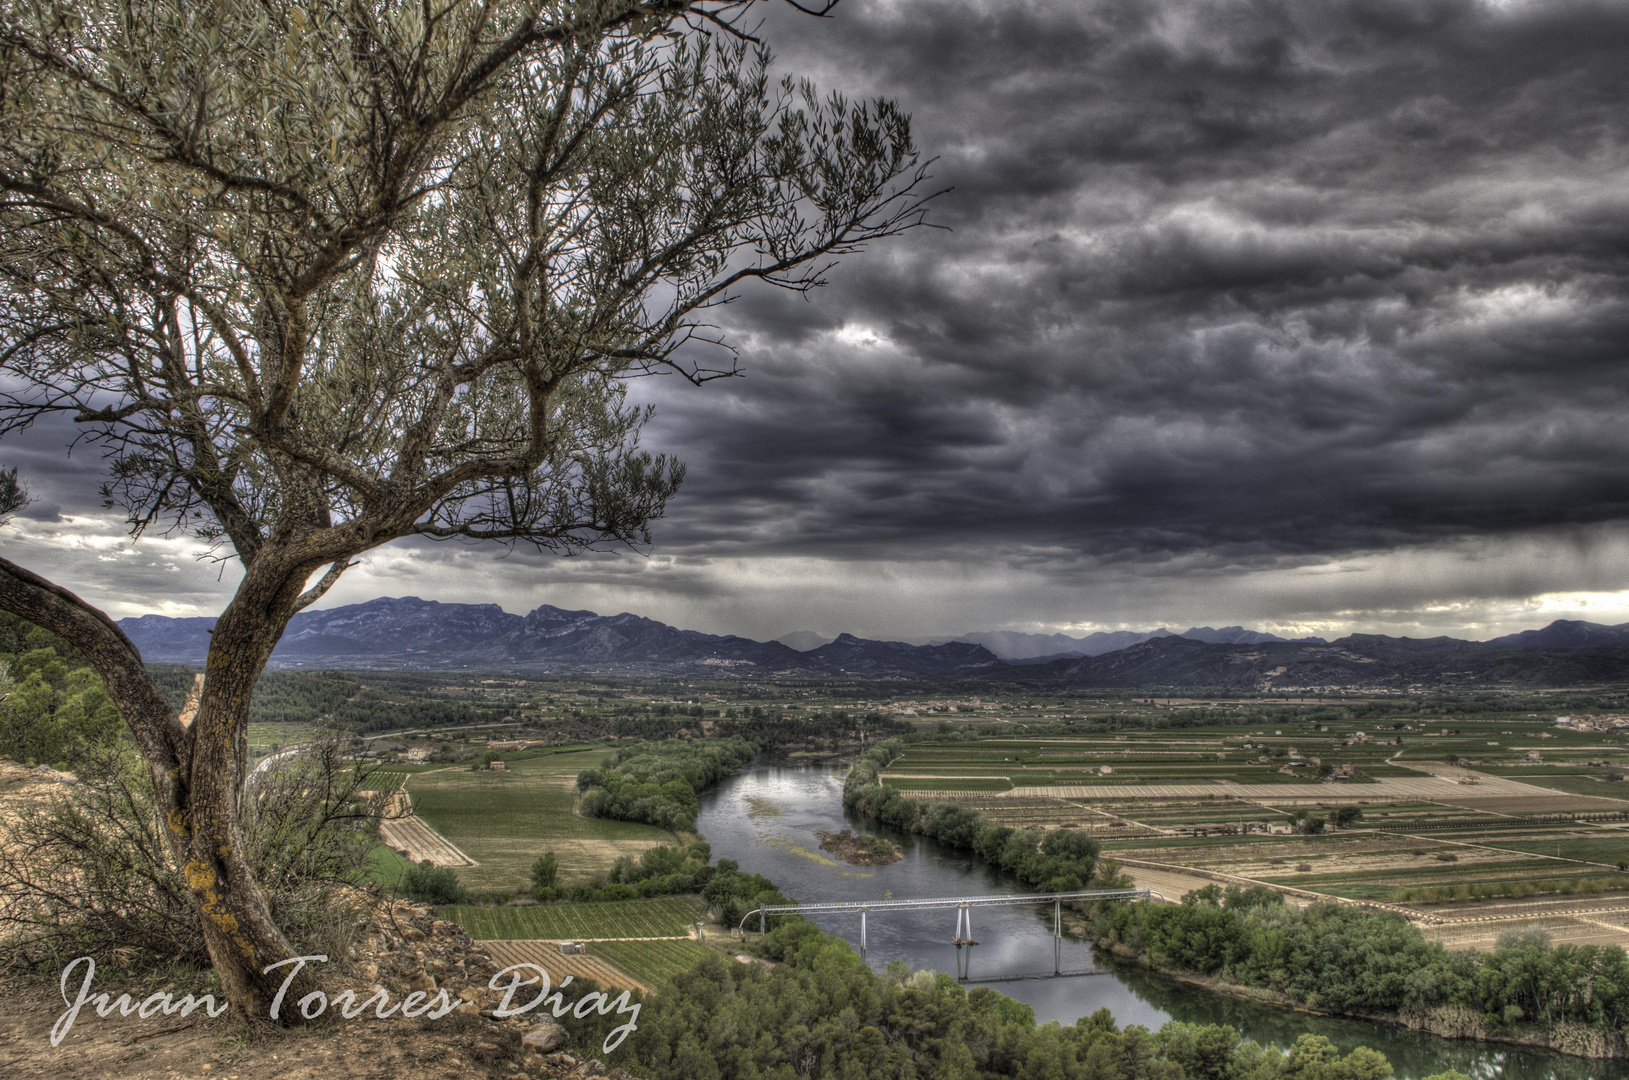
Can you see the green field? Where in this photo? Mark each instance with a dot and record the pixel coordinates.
(1145, 758)
(912, 784)
(505, 820)
(667, 916)
(653, 962)
(386, 867)
(385, 780)
(1579, 783)
(1608, 848)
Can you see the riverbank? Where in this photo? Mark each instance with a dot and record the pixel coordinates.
(1335, 960)
(1443, 1022)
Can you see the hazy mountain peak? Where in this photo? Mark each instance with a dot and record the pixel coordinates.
(1567, 634)
(804, 640)
(1228, 635)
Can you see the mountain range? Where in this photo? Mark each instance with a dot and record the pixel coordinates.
(1013, 646)
(408, 632)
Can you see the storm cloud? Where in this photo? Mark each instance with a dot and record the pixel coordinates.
(1234, 304)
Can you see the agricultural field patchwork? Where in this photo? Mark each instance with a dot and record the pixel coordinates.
(1457, 815)
(264, 737)
(505, 820)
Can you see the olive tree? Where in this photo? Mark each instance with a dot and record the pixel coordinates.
(318, 275)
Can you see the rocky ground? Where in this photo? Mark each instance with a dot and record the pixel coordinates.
(403, 948)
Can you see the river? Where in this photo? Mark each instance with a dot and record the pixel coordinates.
(767, 816)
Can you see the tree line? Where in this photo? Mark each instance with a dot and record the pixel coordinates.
(1343, 959)
(658, 783)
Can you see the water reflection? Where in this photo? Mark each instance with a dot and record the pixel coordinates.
(768, 817)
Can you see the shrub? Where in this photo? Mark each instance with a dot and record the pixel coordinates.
(307, 834)
(431, 884)
(545, 872)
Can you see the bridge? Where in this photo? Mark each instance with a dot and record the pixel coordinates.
(963, 906)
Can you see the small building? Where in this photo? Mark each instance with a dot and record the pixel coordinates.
(495, 766)
(571, 948)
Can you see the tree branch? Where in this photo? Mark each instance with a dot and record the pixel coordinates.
(157, 730)
(326, 582)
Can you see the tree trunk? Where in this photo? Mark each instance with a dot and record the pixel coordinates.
(198, 773)
(238, 928)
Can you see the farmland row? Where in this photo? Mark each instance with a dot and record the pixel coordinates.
(653, 962)
(668, 916)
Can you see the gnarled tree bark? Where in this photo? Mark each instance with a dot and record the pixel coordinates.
(197, 773)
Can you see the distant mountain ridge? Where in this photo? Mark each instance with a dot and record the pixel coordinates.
(1010, 645)
(1567, 634)
(1558, 655)
(407, 632)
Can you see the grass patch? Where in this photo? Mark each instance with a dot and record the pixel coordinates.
(1143, 843)
(1611, 850)
(667, 916)
(1575, 784)
(386, 866)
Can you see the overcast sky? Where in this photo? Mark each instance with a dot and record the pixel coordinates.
(1306, 316)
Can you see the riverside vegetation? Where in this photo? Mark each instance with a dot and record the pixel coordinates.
(1350, 961)
(819, 1011)
(1059, 860)
(656, 783)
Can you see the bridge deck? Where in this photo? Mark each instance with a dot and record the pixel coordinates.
(944, 902)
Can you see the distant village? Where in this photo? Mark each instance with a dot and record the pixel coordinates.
(1602, 722)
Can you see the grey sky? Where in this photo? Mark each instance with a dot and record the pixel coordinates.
(1309, 316)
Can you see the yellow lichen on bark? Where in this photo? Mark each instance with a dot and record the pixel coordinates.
(200, 875)
(200, 878)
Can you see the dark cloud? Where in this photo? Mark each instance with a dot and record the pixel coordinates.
(1291, 278)
(1230, 292)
